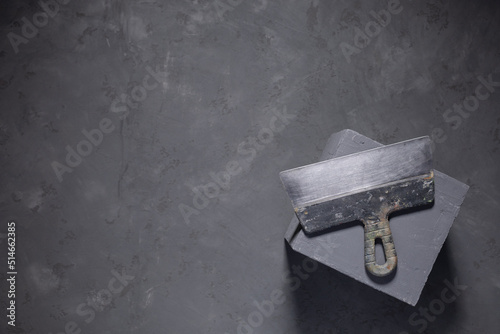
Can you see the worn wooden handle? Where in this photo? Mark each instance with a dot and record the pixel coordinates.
(379, 229)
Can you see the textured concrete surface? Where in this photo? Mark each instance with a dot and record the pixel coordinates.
(418, 233)
(185, 92)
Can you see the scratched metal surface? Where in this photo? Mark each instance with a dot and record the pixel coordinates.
(141, 144)
(357, 172)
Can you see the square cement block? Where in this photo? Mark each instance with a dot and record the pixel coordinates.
(418, 235)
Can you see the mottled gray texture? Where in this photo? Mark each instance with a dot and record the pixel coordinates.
(224, 79)
(418, 235)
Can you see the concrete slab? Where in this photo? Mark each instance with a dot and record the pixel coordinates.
(418, 234)
(223, 72)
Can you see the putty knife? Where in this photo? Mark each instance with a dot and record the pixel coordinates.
(365, 186)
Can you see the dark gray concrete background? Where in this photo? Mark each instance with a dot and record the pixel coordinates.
(107, 250)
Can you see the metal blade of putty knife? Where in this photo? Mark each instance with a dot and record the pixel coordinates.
(365, 186)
